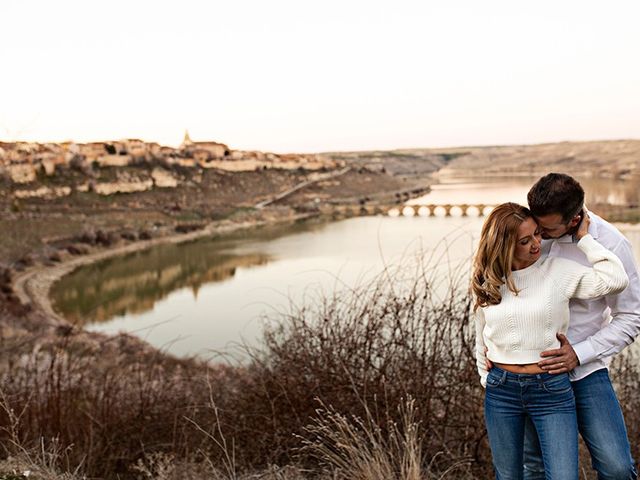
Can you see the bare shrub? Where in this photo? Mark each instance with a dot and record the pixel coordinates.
(406, 334)
(325, 396)
(625, 374)
(41, 462)
(105, 406)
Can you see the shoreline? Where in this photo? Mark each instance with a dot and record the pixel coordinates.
(33, 285)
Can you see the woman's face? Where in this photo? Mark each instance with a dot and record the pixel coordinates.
(527, 244)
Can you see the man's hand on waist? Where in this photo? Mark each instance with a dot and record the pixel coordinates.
(559, 360)
(488, 363)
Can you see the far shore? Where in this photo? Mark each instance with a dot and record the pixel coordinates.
(33, 285)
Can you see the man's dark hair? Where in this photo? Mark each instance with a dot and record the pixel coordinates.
(556, 193)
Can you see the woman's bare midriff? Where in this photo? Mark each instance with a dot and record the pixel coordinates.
(527, 368)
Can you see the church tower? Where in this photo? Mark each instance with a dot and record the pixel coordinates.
(187, 139)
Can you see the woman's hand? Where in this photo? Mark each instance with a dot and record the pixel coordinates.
(583, 229)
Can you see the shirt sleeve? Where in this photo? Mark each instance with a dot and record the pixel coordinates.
(481, 356)
(625, 315)
(606, 275)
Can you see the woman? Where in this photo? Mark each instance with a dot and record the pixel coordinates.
(521, 302)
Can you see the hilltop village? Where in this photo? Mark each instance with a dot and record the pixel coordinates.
(24, 163)
(52, 195)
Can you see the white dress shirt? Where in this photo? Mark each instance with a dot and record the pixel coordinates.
(600, 328)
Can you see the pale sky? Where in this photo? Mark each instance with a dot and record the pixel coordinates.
(301, 76)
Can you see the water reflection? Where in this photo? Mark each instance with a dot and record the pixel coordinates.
(132, 284)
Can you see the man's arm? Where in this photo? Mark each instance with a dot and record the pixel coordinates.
(625, 311)
(612, 338)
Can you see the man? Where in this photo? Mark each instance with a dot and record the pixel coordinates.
(598, 330)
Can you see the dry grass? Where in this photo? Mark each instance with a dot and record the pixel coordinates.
(376, 382)
(106, 406)
(359, 449)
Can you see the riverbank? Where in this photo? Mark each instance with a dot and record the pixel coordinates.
(32, 285)
(112, 396)
(47, 238)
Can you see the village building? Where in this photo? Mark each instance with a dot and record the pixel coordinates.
(253, 155)
(22, 172)
(112, 160)
(92, 151)
(136, 148)
(49, 160)
(116, 148)
(71, 151)
(202, 151)
(154, 149)
(167, 152)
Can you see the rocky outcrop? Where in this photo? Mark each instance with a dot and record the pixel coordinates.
(43, 192)
(123, 187)
(22, 172)
(114, 160)
(163, 179)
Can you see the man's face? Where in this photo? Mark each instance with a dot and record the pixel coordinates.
(552, 226)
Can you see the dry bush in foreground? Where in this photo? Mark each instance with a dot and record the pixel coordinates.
(326, 394)
(406, 334)
(625, 373)
(104, 405)
(358, 449)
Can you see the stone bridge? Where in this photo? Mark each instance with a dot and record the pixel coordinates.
(427, 210)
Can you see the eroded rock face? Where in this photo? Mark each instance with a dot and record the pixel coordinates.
(109, 188)
(250, 161)
(49, 167)
(114, 160)
(43, 192)
(163, 179)
(22, 173)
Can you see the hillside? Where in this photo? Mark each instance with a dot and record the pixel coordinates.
(614, 159)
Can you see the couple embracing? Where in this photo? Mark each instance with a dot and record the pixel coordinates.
(549, 316)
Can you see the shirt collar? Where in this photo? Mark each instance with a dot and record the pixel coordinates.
(593, 231)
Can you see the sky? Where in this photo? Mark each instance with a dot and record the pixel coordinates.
(313, 76)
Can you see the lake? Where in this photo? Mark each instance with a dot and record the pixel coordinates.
(203, 297)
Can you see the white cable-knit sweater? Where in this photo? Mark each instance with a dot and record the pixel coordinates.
(522, 326)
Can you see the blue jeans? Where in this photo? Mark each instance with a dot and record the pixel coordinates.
(547, 400)
(602, 428)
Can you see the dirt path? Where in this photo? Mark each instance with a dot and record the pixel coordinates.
(301, 185)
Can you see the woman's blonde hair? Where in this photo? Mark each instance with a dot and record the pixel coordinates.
(493, 259)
